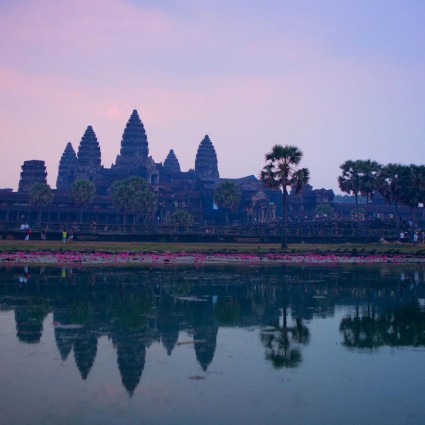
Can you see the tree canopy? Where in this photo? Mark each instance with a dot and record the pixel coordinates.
(133, 195)
(83, 193)
(181, 218)
(40, 195)
(281, 171)
(227, 195)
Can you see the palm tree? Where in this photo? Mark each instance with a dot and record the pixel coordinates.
(144, 204)
(369, 181)
(413, 183)
(83, 192)
(350, 179)
(40, 195)
(143, 200)
(281, 172)
(181, 218)
(122, 195)
(391, 186)
(227, 195)
(133, 195)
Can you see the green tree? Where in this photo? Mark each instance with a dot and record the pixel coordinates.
(83, 193)
(369, 181)
(281, 172)
(133, 195)
(323, 209)
(144, 205)
(181, 218)
(40, 195)
(391, 186)
(413, 184)
(350, 179)
(360, 177)
(144, 199)
(122, 195)
(227, 195)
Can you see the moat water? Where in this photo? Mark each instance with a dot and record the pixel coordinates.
(213, 345)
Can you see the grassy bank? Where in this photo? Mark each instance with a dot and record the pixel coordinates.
(116, 247)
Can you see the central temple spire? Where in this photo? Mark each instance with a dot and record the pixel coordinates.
(134, 143)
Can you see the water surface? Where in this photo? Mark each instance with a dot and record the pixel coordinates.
(209, 345)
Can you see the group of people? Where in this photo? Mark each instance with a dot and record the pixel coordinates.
(66, 235)
(417, 236)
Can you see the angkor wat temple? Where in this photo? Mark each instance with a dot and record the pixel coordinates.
(191, 190)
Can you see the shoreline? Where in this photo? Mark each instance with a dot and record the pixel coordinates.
(186, 258)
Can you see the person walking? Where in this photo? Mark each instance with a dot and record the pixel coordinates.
(27, 234)
(402, 236)
(64, 234)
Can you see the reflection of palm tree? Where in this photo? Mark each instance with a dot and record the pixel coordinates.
(361, 332)
(80, 311)
(131, 309)
(399, 326)
(227, 311)
(282, 345)
(283, 342)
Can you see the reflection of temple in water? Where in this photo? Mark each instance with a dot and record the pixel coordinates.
(85, 349)
(131, 354)
(137, 308)
(29, 317)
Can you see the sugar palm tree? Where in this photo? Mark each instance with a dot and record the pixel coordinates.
(281, 172)
(122, 195)
(181, 218)
(133, 195)
(83, 192)
(40, 196)
(391, 186)
(413, 182)
(227, 195)
(369, 181)
(350, 179)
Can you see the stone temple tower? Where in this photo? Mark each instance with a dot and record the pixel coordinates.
(32, 172)
(206, 164)
(171, 163)
(68, 166)
(89, 157)
(134, 144)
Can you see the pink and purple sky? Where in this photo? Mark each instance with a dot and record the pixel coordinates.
(340, 79)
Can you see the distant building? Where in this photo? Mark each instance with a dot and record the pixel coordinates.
(191, 190)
